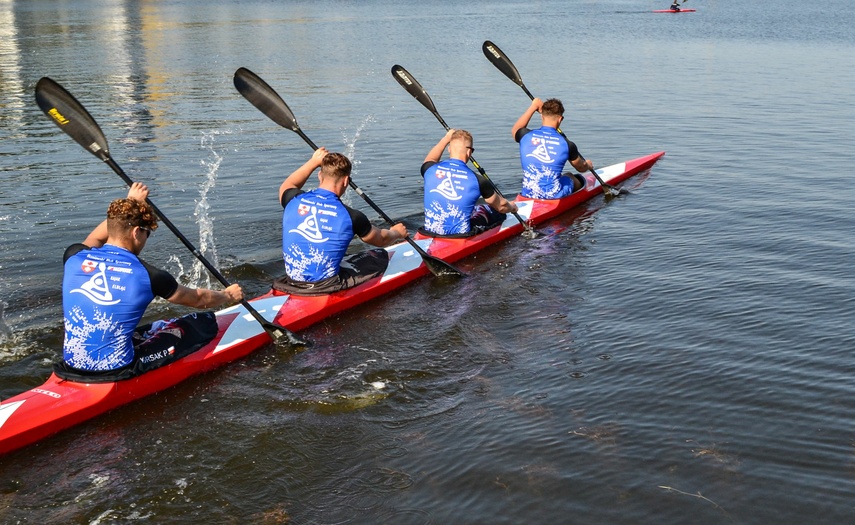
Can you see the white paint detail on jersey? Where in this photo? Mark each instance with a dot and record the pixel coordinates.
(310, 228)
(96, 288)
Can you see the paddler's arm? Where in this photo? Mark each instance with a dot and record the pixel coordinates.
(302, 174)
(501, 204)
(98, 236)
(381, 237)
(581, 164)
(205, 298)
(524, 119)
(435, 154)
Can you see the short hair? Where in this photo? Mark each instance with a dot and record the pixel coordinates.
(124, 215)
(461, 134)
(335, 165)
(552, 108)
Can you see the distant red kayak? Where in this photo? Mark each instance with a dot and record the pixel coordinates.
(672, 11)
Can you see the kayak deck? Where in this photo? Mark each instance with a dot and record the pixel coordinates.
(59, 404)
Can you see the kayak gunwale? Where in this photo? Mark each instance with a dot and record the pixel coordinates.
(59, 404)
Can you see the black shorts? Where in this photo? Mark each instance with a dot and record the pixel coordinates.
(354, 270)
(170, 342)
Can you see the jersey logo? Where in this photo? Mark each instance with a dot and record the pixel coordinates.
(88, 266)
(309, 228)
(540, 152)
(446, 187)
(96, 288)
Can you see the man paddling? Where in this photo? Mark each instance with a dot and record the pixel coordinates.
(452, 191)
(675, 6)
(545, 151)
(317, 229)
(106, 289)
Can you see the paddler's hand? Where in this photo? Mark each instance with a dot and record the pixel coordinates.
(537, 104)
(401, 230)
(138, 192)
(234, 293)
(319, 154)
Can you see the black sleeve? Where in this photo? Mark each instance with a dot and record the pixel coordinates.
(162, 283)
(487, 189)
(74, 249)
(572, 152)
(361, 225)
(426, 166)
(521, 133)
(290, 194)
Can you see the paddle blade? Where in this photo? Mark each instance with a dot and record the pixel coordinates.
(413, 87)
(265, 98)
(71, 117)
(502, 62)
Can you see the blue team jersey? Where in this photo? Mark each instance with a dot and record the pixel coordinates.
(105, 292)
(543, 154)
(451, 191)
(316, 231)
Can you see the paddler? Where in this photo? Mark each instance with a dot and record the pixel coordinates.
(106, 288)
(675, 6)
(317, 229)
(452, 191)
(545, 151)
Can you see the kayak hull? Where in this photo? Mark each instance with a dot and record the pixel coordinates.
(672, 11)
(59, 404)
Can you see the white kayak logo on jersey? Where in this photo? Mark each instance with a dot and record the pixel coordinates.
(446, 187)
(310, 228)
(96, 288)
(540, 152)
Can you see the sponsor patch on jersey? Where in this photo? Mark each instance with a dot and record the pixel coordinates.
(88, 266)
(303, 209)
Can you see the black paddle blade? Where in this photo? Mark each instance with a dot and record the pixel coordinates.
(413, 87)
(502, 62)
(71, 117)
(261, 95)
(440, 268)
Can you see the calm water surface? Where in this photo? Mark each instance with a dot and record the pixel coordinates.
(678, 355)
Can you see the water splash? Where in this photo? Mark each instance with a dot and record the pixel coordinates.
(5, 331)
(350, 151)
(207, 246)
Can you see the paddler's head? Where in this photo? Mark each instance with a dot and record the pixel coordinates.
(335, 173)
(131, 221)
(552, 112)
(461, 146)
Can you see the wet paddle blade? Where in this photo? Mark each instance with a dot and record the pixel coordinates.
(409, 83)
(71, 117)
(262, 96)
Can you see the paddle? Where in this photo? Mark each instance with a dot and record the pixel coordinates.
(415, 89)
(504, 64)
(73, 119)
(265, 98)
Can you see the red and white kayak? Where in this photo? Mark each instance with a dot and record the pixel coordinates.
(673, 11)
(59, 404)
